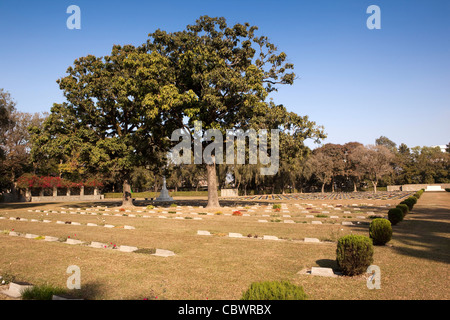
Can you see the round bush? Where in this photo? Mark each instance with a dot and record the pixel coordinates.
(380, 231)
(404, 208)
(274, 290)
(395, 215)
(354, 254)
(413, 199)
(409, 203)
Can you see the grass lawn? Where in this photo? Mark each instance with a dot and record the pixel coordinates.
(414, 264)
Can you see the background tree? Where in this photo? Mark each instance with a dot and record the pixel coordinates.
(7, 106)
(375, 161)
(321, 166)
(17, 146)
(385, 141)
(351, 169)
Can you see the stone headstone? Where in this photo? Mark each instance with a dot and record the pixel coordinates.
(203, 233)
(15, 290)
(234, 235)
(73, 241)
(270, 238)
(324, 272)
(316, 222)
(129, 227)
(163, 253)
(289, 221)
(347, 223)
(98, 245)
(50, 239)
(127, 248)
(312, 240)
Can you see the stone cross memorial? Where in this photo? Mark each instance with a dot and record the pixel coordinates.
(164, 195)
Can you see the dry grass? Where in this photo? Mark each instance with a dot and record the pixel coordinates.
(413, 266)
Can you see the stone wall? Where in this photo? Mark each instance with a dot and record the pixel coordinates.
(416, 187)
(229, 193)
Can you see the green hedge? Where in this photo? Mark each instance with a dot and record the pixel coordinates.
(274, 290)
(354, 253)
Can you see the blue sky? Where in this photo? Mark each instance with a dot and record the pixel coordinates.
(358, 83)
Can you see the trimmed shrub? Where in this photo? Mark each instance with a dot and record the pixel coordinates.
(274, 290)
(409, 202)
(395, 215)
(380, 231)
(413, 199)
(447, 189)
(419, 193)
(354, 254)
(404, 208)
(276, 206)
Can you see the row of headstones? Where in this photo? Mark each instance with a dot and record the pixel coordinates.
(344, 223)
(264, 237)
(72, 223)
(115, 215)
(93, 244)
(333, 196)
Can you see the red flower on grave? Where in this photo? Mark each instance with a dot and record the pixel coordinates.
(237, 213)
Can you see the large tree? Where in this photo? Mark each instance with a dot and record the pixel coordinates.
(117, 113)
(231, 71)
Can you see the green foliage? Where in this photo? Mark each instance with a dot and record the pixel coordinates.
(380, 231)
(447, 189)
(42, 292)
(354, 254)
(274, 290)
(404, 208)
(419, 193)
(395, 215)
(276, 206)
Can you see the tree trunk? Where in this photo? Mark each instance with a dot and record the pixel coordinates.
(374, 183)
(355, 189)
(213, 197)
(323, 187)
(127, 200)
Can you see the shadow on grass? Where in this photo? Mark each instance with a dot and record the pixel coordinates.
(424, 233)
(327, 263)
